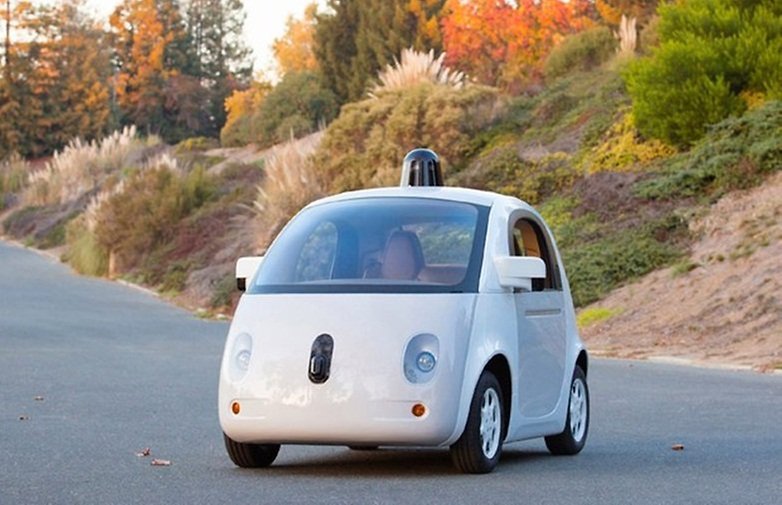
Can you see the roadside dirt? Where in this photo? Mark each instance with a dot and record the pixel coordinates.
(722, 305)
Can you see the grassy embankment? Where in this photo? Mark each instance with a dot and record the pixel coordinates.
(175, 218)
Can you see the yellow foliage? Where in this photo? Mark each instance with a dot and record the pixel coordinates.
(753, 99)
(293, 51)
(242, 104)
(592, 315)
(622, 149)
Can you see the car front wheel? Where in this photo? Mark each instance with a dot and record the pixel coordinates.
(573, 438)
(478, 449)
(250, 455)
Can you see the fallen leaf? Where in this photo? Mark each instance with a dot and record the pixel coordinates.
(677, 447)
(38, 398)
(146, 451)
(160, 462)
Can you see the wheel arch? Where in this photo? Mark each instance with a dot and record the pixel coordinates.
(498, 365)
(583, 361)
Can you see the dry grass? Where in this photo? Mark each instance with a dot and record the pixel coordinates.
(80, 166)
(289, 184)
(93, 210)
(165, 160)
(627, 36)
(13, 177)
(416, 68)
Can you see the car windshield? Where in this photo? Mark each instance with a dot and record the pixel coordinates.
(382, 245)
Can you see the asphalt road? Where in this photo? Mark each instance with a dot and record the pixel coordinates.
(119, 371)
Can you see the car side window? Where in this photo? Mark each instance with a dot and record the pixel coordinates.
(528, 239)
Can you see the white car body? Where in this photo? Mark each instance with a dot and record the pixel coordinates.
(528, 339)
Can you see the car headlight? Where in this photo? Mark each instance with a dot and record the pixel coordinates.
(426, 361)
(241, 356)
(420, 361)
(243, 359)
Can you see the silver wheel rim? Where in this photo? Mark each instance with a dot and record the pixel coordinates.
(578, 410)
(491, 423)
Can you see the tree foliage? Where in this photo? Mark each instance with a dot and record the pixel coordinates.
(294, 51)
(713, 53)
(240, 126)
(580, 52)
(55, 84)
(149, 41)
(175, 69)
(356, 38)
(504, 43)
(220, 55)
(295, 107)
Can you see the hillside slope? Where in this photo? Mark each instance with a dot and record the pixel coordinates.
(723, 304)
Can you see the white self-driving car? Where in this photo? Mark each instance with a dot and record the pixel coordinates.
(413, 316)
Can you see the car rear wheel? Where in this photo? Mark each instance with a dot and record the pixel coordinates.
(363, 447)
(573, 438)
(478, 449)
(250, 455)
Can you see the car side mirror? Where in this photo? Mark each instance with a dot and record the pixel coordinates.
(518, 271)
(245, 270)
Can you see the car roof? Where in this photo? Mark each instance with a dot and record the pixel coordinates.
(453, 194)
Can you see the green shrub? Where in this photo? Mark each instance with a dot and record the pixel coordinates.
(504, 172)
(649, 37)
(736, 153)
(594, 269)
(558, 211)
(683, 267)
(84, 253)
(136, 220)
(621, 149)
(710, 52)
(298, 105)
(292, 127)
(581, 52)
(224, 292)
(175, 277)
(365, 145)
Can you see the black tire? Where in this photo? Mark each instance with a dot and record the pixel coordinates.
(573, 437)
(363, 447)
(473, 453)
(250, 455)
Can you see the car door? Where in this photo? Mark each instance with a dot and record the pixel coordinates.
(541, 325)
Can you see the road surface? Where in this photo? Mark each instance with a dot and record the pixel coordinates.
(92, 372)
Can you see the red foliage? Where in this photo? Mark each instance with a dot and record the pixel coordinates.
(503, 43)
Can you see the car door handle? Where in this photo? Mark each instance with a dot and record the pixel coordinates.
(542, 312)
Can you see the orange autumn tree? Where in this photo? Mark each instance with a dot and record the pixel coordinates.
(241, 107)
(150, 50)
(504, 43)
(293, 51)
